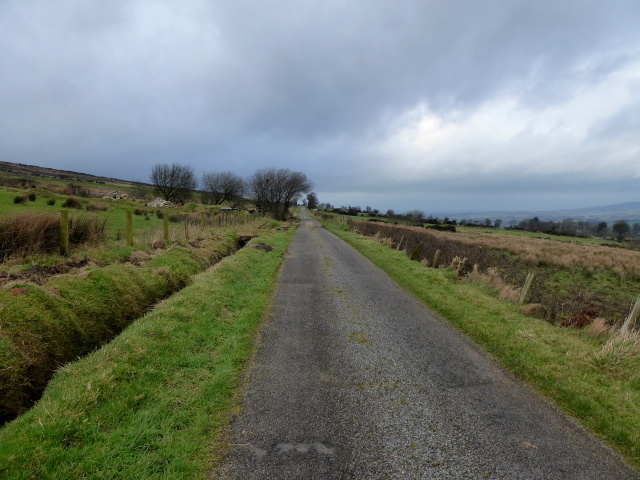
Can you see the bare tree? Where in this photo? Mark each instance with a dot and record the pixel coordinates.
(222, 186)
(414, 215)
(312, 200)
(174, 182)
(275, 190)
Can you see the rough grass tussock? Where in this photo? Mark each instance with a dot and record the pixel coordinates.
(33, 232)
(620, 355)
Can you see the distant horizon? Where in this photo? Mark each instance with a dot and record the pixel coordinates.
(457, 214)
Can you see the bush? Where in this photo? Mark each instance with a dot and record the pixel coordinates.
(77, 190)
(20, 199)
(51, 201)
(175, 218)
(160, 214)
(97, 207)
(72, 202)
(32, 196)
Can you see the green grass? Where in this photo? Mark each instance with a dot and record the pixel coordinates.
(152, 403)
(46, 326)
(560, 363)
(521, 233)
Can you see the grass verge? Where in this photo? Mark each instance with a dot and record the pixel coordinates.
(45, 326)
(148, 404)
(563, 364)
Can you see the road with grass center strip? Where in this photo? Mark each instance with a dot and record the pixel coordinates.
(355, 379)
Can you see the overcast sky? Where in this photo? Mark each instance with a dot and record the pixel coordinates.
(443, 106)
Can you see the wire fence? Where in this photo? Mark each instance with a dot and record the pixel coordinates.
(23, 234)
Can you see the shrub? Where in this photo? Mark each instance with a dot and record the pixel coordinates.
(32, 196)
(51, 201)
(72, 202)
(97, 207)
(77, 190)
(175, 218)
(160, 214)
(20, 199)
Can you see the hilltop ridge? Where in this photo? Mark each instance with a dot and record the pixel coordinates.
(34, 170)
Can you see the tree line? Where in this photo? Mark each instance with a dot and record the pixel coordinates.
(272, 190)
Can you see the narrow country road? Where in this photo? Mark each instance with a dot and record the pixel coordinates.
(355, 379)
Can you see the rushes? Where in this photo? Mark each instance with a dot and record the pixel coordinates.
(29, 233)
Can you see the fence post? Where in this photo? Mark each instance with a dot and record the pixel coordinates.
(186, 229)
(201, 220)
(630, 322)
(436, 258)
(416, 251)
(64, 232)
(525, 288)
(129, 228)
(165, 226)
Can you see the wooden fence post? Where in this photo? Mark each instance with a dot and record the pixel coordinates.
(64, 232)
(416, 251)
(201, 220)
(436, 259)
(165, 225)
(630, 322)
(525, 288)
(129, 228)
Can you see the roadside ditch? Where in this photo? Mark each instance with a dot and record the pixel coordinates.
(52, 315)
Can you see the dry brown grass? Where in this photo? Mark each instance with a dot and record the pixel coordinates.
(619, 354)
(28, 233)
(34, 232)
(493, 279)
(625, 263)
(384, 240)
(600, 327)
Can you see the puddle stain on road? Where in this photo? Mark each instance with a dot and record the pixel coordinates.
(319, 448)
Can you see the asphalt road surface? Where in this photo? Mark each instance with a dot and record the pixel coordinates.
(355, 379)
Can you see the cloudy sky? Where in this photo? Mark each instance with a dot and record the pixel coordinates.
(443, 106)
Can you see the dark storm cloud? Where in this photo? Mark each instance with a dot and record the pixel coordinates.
(369, 98)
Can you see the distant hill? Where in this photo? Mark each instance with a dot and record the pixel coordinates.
(20, 169)
(629, 211)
